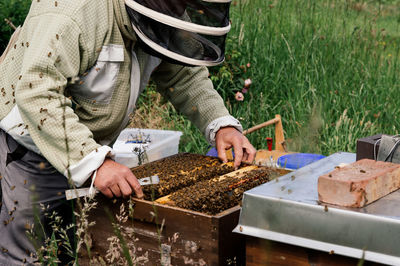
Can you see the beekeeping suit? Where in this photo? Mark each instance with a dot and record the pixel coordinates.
(72, 78)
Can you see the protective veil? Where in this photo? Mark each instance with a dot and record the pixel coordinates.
(190, 32)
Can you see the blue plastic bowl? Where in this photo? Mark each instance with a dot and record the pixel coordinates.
(214, 153)
(298, 160)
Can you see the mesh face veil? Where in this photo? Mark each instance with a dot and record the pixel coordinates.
(189, 32)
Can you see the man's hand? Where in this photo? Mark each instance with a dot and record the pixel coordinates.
(229, 137)
(116, 179)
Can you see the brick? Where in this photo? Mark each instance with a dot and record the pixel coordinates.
(359, 183)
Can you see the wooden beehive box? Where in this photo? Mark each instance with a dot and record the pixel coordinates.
(187, 236)
(266, 252)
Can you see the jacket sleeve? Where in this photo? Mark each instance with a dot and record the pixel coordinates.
(53, 58)
(192, 93)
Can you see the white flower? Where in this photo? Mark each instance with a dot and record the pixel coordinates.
(239, 96)
(247, 83)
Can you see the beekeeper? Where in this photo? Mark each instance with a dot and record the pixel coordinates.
(69, 81)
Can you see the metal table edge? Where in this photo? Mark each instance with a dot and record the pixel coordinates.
(317, 245)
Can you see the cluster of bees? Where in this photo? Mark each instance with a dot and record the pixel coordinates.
(200, 183)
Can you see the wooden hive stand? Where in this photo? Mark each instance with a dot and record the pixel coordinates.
(264, 156)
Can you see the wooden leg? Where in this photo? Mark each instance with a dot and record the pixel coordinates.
(279, 136)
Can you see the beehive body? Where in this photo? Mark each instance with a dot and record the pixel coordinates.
(187, 235)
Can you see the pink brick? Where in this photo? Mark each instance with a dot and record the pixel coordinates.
(359, 183)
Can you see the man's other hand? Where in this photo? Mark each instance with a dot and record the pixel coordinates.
(114, 179)
(229, 137)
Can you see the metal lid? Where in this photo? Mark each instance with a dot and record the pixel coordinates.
(288, 211)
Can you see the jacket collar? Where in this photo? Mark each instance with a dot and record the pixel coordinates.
(123, 20)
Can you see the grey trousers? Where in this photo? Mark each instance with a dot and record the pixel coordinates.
(32, 190)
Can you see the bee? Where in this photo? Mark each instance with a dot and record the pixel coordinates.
(42, 165)
(57, 36)
(49, 54)
(39, 128)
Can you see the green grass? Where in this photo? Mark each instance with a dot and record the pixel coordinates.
(329, 67)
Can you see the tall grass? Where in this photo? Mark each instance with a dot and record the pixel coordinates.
(329, 67)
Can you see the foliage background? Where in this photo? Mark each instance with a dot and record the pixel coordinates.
(14, 10)
(329, 67)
